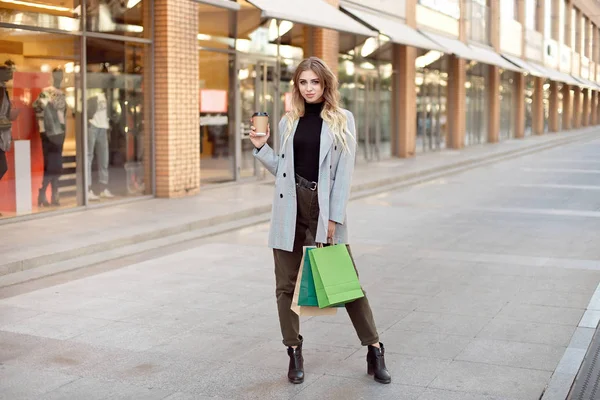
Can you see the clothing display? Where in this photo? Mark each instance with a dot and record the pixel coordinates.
(98, 141)
(5, 123)
(50, 109)
(5, 129)
(98, 145)
(307, 141)
(3, 164)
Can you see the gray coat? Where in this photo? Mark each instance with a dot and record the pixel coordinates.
(335, 177)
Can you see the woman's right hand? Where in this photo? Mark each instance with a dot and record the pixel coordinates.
(259, 141)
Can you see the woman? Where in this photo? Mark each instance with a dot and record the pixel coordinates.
(313, 173)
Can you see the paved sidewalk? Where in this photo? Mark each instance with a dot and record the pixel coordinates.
(484, 286)
(32, 243)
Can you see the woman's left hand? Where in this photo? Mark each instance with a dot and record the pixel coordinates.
(330, 231)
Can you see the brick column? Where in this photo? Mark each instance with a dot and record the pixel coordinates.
(553, 117)
(585, 112)
(594, 108)
(176, 98)
(567, 108)
(405, 101)
(538, 106)
(323, 43)
(493, 94)
(577, 107)
(519, 106)
(457, 76)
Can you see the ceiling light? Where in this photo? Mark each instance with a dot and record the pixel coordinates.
(36, 5)
(133, 3)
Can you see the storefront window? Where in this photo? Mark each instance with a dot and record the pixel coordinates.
(546, 102)
(530, 14)
(59, 15)
(118, 128)
(40, 110)
(508, 99)
(479, 15)
(448, 7)
(476, 104)
(432, 90)
(529, 93)
(119, 17)
(548, 19)
(365, 80)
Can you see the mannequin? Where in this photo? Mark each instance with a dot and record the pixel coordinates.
(51, 110)
(98, 124)
(6, 116)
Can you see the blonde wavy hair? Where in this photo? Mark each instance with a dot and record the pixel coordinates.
(332, 113)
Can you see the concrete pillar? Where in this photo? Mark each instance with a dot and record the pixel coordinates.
(577, 107)
(457, 76)
(585, 113)
(567, 108)
(538, 106)
(594, 111)
(176, 98)
(493, 94)
(404, 101)
(553, 108)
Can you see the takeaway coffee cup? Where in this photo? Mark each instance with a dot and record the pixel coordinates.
(260, 120)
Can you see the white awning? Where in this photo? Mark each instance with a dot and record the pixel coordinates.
(312, 12)
(475, 53)
(587, 83)
(557, 76)
(489, 56)
(453, 46)
(395, 29)
(526, 66)
(231, 5)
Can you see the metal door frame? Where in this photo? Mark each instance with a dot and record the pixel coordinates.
(264, 62)
(372, 151)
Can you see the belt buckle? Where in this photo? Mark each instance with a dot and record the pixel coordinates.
(313, 186)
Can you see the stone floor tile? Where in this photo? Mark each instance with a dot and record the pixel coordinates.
(527, 332)
(485, 379)
(434, 345)
(513, 354)
(93, 389)
(56, 326)
(451, 324)
(17, 382)
(541, 314)
(338, 388)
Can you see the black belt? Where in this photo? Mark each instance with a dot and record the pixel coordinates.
(305, 183)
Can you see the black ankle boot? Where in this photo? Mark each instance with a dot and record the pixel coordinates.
(296, 370)
(42, 200)
(376, 364)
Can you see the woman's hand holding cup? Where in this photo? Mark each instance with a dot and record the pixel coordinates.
(260, 130)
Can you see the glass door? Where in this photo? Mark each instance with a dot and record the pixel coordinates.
(366, 112)
(258, 90)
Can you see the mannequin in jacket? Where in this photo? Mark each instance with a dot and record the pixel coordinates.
(6, 74)
(51, 111)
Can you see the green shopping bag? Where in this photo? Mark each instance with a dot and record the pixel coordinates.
(334, 275)
(307, 294)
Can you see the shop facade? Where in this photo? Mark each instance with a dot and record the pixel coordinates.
(118, 100)
(80, 87)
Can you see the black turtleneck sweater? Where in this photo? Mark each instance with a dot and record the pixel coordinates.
(307, 142)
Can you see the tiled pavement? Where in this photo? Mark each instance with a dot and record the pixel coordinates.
(478, 283)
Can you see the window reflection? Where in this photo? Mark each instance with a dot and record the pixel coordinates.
(118, 132)
(122, 17)
(63, 15)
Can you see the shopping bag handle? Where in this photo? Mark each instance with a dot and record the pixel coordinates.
(321, 245)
